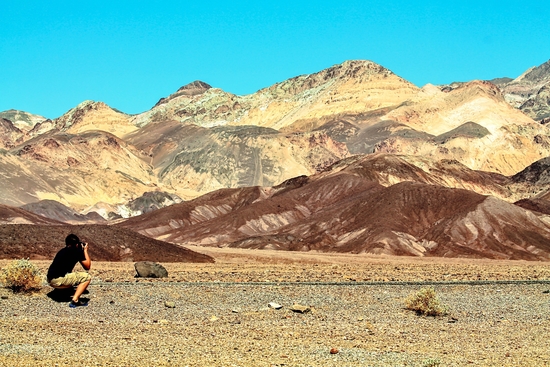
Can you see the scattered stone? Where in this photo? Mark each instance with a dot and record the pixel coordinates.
(275, 305)
(334, 351)
(170, 304)
(149, 269)
(300, 308)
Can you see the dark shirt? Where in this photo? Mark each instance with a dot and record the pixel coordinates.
(64, 261)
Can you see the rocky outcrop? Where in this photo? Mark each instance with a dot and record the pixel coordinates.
(24, 121)
(10, 135)
(530, 92)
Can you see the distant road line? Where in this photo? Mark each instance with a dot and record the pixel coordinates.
(391, 283)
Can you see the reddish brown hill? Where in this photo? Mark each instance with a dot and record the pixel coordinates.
(389, 169)
(535, 205)
(345, 212)
(57, 211)
(419, 220)
(106, 244)
(11, 215)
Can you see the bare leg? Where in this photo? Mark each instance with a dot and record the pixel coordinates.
(80, 289)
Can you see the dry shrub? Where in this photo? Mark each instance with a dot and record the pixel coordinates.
(425, 302)
(21, 276)
(431, 362)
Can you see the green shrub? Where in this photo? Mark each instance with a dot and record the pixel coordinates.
(21, 276)
(425, 302)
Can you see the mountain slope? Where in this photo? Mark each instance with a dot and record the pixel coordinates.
(107, 243)
(344, 212)
(530, 92)
(75, 170)
(22, 120)
(193, 160)
(351, 87)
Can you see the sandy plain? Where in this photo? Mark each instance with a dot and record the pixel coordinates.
(219, 314)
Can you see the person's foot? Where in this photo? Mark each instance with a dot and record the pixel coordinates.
(78, 303)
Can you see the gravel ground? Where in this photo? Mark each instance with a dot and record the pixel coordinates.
(227, 322)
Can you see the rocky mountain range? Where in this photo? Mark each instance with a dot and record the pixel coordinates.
(353, 158)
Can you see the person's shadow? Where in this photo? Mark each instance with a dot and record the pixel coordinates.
(64, 294)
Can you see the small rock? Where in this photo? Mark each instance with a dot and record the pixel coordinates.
(170, 304)
(300, 308)
(334, 351)
(5, 297)
(275, 305)
(546, 291)
(235, 310)
(452, 320)
(213, 318)
(149, 269)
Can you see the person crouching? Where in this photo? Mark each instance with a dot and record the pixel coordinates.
(60, 273)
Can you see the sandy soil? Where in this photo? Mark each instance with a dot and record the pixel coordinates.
(220, 314)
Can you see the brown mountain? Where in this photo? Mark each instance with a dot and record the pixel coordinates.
(349, 88)
(12, 215)
(75, 170)
(505, 140)
(192, 160)
(27, 235)
(200, 139)
(57, 211)
(346, 211)
(106, 244)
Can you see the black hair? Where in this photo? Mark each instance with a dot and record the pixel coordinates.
(72, 240)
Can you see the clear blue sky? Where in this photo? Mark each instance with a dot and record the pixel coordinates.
(129, 54)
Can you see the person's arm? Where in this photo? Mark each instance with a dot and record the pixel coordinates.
(87, 262)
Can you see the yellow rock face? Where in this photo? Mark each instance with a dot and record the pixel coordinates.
(95, 116)
(351, 87)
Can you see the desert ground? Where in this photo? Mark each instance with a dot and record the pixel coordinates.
(219, 315)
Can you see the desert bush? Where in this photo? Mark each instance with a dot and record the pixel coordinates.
(431, 362)
(21, 276)
(425, 302)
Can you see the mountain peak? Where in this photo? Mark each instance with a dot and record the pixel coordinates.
(193, 88)
(538, 74)
(189, 90)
